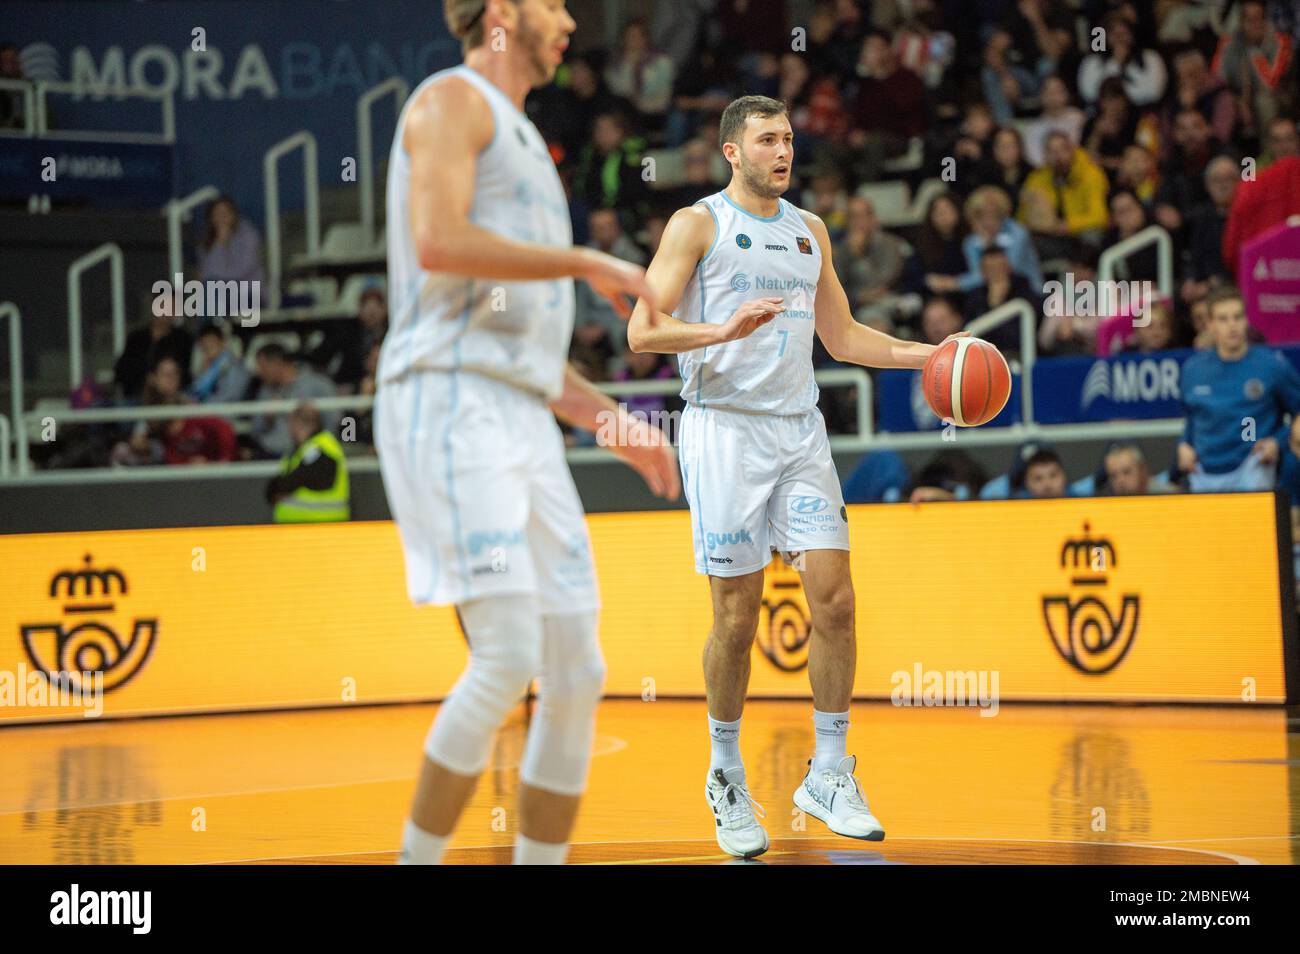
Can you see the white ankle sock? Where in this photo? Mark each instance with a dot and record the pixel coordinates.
(420, 847)
(832, 731)
(725, 752)
(529, 852)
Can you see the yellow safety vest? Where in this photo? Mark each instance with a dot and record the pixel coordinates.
(316, 506)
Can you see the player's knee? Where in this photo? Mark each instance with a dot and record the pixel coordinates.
(735, 629)
(834, 612)
(507, 670)
(573, 679)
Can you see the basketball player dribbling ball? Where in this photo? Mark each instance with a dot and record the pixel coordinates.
(473, 369)
(748, 278)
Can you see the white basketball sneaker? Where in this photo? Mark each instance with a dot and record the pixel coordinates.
(836, 798)
(737, 830)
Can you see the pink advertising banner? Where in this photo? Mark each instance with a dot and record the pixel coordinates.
(1269, 273)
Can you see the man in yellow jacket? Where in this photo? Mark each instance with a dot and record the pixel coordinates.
(312, 486)
(1065, 199)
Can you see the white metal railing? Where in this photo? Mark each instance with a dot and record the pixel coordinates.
(28, 91)
(165, 99)
(112, 252)
(9, 310)
(365, 145)
(5, 449)
(1152, 234)
(311, 190)
(177, 212)
(1005, 312)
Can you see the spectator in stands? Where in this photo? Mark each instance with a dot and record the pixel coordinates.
(972, 147)
(196, 440)
(1058, 115)
(642, 75)
(1128, 217)
(1138, 172)
(342, 353)
(1021, 51)
(890, 108)
(231, 249)
(366, 418)
(988, 210)
(1067, 331)
(596, 321)
(697, 164)
(1182, 178)
(827, 199)
(565, 114)
(949, 475)
(1205, 267)
(312, 486)
(144, 347)
(608, 174)
(1000, 286)
(1043, 476)
(1195, 87)
(938, 248)
(282, 379)
(11, 100)
(1116, 125)
(646, 366)
(869, 262)
(1065, 200)
(817, 111)
(1157, 333)
(222, 378)
(1283, 140)
(1236, 399)
(1255, 62)
(880, 477)
(1128, 474)
(1143, 71)
(1006, 168)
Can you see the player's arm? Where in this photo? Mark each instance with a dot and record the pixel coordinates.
(446, 129)
(646, 449)
(844, 338)
(685, 241)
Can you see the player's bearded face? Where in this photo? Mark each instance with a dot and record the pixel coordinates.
(542, 39)
(765, 169)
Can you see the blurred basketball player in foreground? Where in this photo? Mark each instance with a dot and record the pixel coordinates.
(749, 277)
(480, 269)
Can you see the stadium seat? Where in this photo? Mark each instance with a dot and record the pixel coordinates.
(349, 299)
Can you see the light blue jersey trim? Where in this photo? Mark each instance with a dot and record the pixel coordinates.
(704, 355)
(454, 403)
(780, 211)
(717, 230)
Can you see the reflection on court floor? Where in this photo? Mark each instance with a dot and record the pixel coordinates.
(1033, 785)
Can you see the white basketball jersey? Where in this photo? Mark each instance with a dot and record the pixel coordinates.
(517, 331)
(753, 257)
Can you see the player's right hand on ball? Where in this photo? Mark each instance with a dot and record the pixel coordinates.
(749, 317)
(616, 280)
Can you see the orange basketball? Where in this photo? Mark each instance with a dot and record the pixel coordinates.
(966, 381)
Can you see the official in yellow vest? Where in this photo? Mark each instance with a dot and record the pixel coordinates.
(312, 486)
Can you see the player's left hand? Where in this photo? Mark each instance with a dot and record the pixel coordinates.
(1266, 450)
(650, 453)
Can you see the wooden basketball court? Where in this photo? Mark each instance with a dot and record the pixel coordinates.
(1031, 784)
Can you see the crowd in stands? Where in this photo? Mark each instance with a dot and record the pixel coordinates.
(1056, 129)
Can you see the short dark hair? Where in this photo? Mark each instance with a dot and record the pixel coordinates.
(1221, 294)
(1045, 455)
(272, 351)
(212, 331)
(732, 126)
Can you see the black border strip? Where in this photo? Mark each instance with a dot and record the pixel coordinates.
(1286, 584)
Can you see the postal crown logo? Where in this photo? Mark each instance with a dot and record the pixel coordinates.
(785, 624)
(87, 640)
(1081, 624)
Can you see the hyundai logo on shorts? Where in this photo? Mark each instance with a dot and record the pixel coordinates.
(808, 504)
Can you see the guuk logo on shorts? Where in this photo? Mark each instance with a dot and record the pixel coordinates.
(715, 540)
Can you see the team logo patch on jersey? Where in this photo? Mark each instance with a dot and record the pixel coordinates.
(1254, 389)
(804, 244)
(740, 282)
(743, 240)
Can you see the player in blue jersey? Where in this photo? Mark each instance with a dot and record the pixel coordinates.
(472, 374)
(1236, 398)
(748, 280)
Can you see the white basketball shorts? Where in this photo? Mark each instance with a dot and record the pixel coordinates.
(477, 482)
(757, 483)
